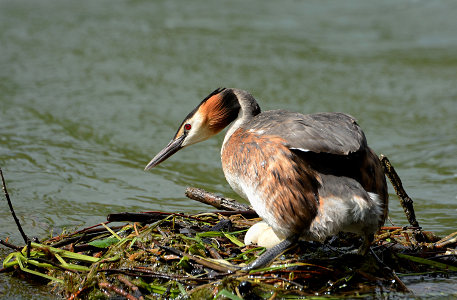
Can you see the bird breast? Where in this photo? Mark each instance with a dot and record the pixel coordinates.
(281, 188)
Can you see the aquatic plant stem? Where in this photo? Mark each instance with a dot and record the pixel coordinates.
(5, 191)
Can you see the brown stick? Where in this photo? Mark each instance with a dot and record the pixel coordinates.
(201, 261)
(77, 293)
(5, 191)
(145, 272)
(133, 288)
(143, 216)
(249, 214)
(400, 283)
(405, 201)
(215, 200)
(89, 229)
(134, 217)
(76, 239)
(10, 245)
(119, 291)
(450, 239)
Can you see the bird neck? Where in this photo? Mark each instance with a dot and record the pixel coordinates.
(249, 108)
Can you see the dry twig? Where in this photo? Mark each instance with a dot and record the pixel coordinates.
(405, 201)
(215, 200)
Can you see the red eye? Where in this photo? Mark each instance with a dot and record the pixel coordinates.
(187, 127)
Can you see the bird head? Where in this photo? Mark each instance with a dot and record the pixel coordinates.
(213, 114)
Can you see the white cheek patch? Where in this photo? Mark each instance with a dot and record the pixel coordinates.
(198, 132)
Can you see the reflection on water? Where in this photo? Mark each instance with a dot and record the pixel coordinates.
(89, 92)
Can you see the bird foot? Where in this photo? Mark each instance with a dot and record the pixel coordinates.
(266, 258)
(366, 243)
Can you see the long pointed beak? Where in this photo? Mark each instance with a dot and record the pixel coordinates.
(166, 152)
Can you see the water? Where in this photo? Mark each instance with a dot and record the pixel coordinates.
(90, 91)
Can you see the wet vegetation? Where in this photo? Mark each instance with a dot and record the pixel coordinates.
(173, 255)
(196, 256)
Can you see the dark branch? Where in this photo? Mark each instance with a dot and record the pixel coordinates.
(17, 248)
(5, 191)
(405, 201)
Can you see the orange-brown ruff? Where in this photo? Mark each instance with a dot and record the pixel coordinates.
(307, 176)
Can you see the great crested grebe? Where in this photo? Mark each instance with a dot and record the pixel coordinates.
(307, 176)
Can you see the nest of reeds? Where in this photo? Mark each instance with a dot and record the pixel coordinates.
(173, 255)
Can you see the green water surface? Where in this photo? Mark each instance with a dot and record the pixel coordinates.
(91, 90)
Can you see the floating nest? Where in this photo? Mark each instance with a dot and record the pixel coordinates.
(173, 255)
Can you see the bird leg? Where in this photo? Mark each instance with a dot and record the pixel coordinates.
(269, 255)
(366, 243)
